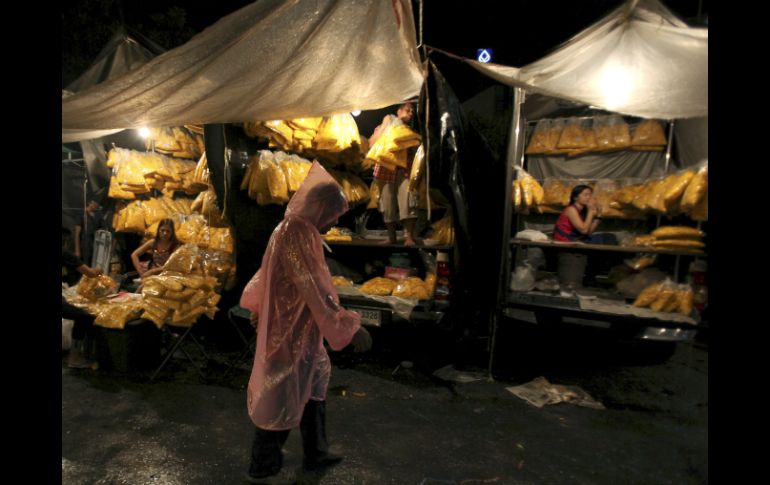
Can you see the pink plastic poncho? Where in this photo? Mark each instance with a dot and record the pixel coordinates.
(298, 307)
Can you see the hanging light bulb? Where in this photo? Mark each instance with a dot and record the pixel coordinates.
(144, 132)
(356, 112)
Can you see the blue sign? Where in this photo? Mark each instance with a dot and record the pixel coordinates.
(484, 55)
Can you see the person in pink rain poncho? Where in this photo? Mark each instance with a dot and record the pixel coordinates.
(295, 307)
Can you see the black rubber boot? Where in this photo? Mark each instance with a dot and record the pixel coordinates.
(266, 454)
(315, 448)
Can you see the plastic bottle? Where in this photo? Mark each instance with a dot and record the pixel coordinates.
(443, 279)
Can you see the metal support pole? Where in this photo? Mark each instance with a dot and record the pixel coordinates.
(514, 154)
(668, 145)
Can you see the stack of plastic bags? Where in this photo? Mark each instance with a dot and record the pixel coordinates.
(182, 292)
(390, 149)
(666, 296)
(135, 173)
(443, 231)
(179, 142)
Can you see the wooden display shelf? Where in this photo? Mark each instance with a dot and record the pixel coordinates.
(606, 247)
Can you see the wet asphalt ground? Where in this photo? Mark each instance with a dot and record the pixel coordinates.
(398, 425)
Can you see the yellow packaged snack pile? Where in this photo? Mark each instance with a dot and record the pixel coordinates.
(374, 195)
(220, 265)
(677, 232)
(643, 241)
(96, 287)
(177, 299)
(648, 135)
(674, 188)
(206, 205)
(701, 210)
(115, 192)
(336, 133)
(667, 297)
(191, 226)
(353, 187)
(276, 182)
(200, 178)
(295, 170)
(221, 239)
(577, 137)
(556, 192)
(413, 288)
(271, 178)
(430, 283)
(337, 234)
(685, 301)
(175, 141)
(611, 133)
(116, 314)
(541, 140)
(341, 281)
(379, 286)
(641, 262)
(390, 149)
(696, 190)
(443, 231)
(675, 238)
(184, 260)
(532, 193)
(304, 131)
(516, 195)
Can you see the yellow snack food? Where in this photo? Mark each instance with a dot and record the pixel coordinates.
(677, 232)
(675, 189)
(341, 281)
(679, 243)
(686, 299)
(411, 287)
(648, 295)
(648, 133)
(379, 286)
(695, 191)
(516, 194)
(664, 299)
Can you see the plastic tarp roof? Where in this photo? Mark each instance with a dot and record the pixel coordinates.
(121, 54)
(273, 59)
(639, 60)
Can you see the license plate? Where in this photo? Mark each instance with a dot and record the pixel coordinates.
(368, 317)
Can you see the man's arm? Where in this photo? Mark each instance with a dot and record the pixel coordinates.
(76, 236)
(89, 271)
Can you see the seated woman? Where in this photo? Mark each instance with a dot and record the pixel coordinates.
(579, 220)
(160, 248)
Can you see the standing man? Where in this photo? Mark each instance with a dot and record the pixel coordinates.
(295, 306)
(93, 220)
(394, 185)
(83, 326)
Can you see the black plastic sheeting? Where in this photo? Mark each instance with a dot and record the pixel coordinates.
(227, 149)
(464, 169)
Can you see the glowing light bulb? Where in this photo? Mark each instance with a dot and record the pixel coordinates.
(356, 112)
(616, 82)
(144, 132)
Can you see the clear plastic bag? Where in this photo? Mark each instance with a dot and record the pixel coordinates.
(523, 278)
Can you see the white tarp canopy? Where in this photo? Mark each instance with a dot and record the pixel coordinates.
(121, 54)
(273, 59)
(639, 60)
